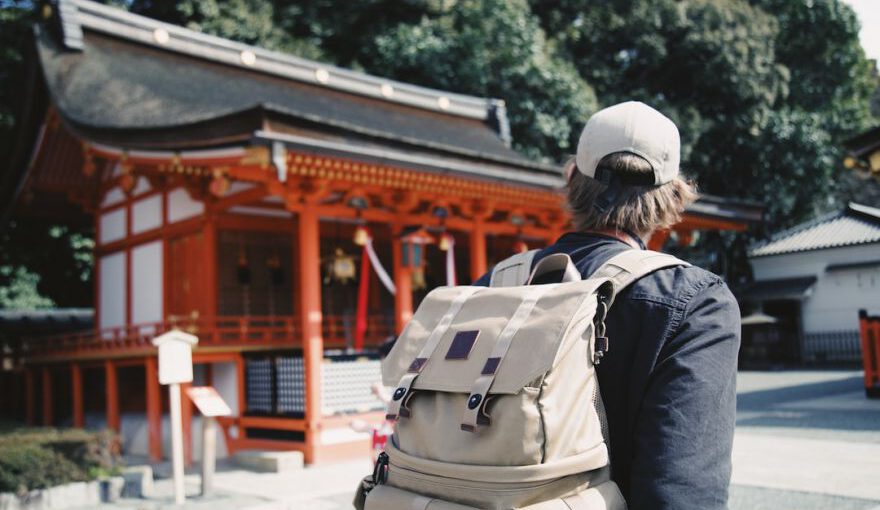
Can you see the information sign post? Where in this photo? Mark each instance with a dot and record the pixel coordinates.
(175, 367)
(210, 404)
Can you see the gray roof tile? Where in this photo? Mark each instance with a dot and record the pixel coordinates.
(857, 224)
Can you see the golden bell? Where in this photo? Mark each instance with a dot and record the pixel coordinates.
(445, 242)
(418, 279)
(361, 236)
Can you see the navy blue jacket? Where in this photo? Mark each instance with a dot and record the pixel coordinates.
(668, 380)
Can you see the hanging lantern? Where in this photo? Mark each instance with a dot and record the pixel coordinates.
(418, 279)
(414, 240)
(276, 275)
(242, 270)
(361, 235)
(219, 184)
(89, 165)
(446, 241)
(126, 179)
(520, 246)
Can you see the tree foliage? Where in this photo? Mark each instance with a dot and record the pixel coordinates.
(43, 265)
(763, 91)
(492, 48)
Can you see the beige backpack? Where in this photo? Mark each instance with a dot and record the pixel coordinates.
(496, 399)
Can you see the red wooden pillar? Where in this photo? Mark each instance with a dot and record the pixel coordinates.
(658, 239)
(76, 388)
(154, 408)
(403, 304)
(478, 250)
(869, 329)
(239, 379)
(47, 397)
(308, 241)
(112, 395)
(186, 415)
(30, 396)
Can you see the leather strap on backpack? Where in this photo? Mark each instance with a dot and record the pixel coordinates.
(475, 413)
(399, 405)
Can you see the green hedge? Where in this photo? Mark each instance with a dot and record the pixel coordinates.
(40, 458)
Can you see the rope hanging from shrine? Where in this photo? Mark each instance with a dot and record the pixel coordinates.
(378, 268)
(447, 243)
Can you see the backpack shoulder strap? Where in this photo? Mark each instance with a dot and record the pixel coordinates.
(514, 270)
(627, 267)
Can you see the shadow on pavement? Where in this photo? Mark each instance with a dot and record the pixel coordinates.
(836, 404)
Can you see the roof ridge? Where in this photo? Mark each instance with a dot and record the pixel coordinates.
(861, 210)
(791, 231)
(78, 14)
(857, 214)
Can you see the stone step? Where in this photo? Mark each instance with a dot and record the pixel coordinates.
(266, 461)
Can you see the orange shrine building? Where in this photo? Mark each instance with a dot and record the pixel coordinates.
(288, 213)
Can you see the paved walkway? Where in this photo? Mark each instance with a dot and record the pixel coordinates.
(808, 465)
(805, 440)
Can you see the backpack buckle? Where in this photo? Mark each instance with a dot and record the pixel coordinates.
(380, 470)
(600, 346)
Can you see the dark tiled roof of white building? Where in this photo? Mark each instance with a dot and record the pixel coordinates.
(857, 224)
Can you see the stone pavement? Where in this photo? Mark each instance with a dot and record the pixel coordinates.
(804, 440)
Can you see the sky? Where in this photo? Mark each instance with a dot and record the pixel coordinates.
(869, 15)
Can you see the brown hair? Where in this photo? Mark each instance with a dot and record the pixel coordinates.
(636, 209)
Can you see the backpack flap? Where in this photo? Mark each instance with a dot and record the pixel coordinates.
(462, 334)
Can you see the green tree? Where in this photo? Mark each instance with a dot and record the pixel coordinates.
(492, 48)
(43, 265)
(15, 19)
(248, 21)
(764, 92)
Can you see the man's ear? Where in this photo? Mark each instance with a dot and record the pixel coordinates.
(569, 171)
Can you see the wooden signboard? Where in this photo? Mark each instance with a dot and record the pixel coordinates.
(208, 401)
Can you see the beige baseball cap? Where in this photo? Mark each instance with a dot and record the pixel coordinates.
(631, 127)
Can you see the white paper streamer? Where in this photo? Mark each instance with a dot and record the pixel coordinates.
(450, 262)
(380, 270)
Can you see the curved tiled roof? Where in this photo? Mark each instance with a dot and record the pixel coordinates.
(124, 79)
(857, 224)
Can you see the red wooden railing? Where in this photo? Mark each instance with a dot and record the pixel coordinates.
(234, 332)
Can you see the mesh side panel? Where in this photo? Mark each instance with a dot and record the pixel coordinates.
(600, 411)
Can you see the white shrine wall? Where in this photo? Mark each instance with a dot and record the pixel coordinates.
(130, 251)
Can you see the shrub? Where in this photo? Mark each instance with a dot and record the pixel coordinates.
(40, 458)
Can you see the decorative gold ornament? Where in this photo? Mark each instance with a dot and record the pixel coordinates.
(219, 184)
(340, 268)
